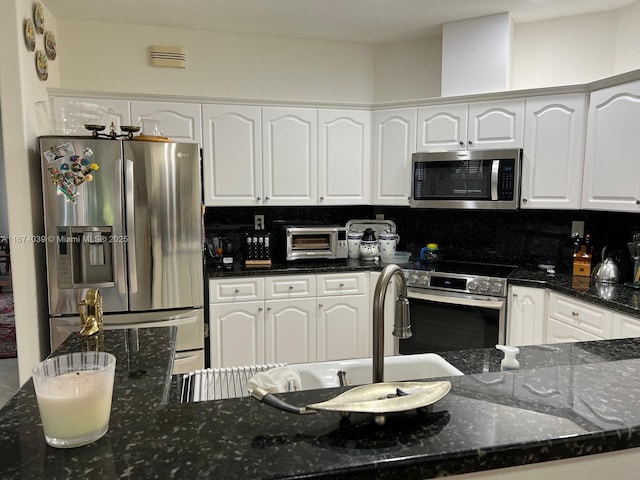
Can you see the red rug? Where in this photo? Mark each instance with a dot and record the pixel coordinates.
(7, 327)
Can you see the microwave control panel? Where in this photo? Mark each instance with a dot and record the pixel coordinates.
(506, 179)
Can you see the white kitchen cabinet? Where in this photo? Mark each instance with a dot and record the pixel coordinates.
(290, 328)
(583, 320)
(473, 126)
(181, 122)
(553, 155)
(394, 140)
(344, 157)
(625, 326)
(561, 332)
(232, 155)
(343, 328)
(119, 113)
(290, 155)
(611, 169)
(442, 128)
(526, 316)
(237, 335)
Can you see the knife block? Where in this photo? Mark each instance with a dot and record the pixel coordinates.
(582, 264)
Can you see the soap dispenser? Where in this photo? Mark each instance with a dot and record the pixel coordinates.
(509, 362)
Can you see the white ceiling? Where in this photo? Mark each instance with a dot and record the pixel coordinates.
(361, 21)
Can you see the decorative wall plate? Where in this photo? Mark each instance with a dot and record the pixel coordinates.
(38, 17)
(42, 65)
(29, 35)
(50, 45)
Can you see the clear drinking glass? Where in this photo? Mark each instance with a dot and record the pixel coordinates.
(74, 394)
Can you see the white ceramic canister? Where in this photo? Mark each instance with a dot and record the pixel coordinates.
(388, 243)
(353, 244)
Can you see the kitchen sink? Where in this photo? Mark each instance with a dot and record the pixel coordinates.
(358, 371)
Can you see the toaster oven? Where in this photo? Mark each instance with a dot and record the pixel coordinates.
(311, 242)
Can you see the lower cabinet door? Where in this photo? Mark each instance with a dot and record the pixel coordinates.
(236, 333)
(343, 328)
(290, 327)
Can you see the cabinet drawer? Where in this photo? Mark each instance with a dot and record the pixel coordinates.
(290, 286)
(560, 332)
(340, 284)
(586, 317)
(236, 290)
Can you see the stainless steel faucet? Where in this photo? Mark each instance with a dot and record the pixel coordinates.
(401, 324)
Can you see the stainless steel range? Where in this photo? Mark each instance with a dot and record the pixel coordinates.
(455, 305)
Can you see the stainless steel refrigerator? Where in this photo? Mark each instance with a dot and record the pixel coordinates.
(124, 216)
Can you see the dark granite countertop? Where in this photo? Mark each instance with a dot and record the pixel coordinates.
(567, 400)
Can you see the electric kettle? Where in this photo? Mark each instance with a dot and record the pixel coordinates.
(606, 271)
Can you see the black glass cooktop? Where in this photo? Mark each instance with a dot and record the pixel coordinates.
(464, 268)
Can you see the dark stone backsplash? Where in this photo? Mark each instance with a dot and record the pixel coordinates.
(523, 237)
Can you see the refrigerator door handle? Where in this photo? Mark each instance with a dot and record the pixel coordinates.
(131, 229)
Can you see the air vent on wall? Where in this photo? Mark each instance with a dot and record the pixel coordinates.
(162, 56)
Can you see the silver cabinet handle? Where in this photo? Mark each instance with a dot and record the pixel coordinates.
(514, 295)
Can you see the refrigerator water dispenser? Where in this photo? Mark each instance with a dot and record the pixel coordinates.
(85, 257)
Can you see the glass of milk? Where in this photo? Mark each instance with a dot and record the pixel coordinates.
(74, 397)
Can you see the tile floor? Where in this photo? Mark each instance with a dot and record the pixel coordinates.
(9, 383)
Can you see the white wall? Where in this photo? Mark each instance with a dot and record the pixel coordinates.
(407, 70)
(4, 219)
(564, 51)
(218, 64)
(628, 39)
(20, 88)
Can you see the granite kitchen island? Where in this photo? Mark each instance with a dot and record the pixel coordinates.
(567, 400)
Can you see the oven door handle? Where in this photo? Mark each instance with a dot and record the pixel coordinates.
(472, 302)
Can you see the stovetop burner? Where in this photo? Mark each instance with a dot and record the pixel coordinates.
(457, 276)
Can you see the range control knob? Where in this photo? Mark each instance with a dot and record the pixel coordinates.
(472, 286)
(413, 278)
(485, 286)
(424, 280)
(496, 287)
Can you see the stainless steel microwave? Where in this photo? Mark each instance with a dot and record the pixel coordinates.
(480, 179)
(311, 242)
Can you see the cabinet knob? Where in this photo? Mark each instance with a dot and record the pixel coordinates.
(258, 197)
(321, 198)
(291, 287)
(341, 285)
(637, 202)
(470, 142)
(514, 295)
(260, 309)
(461, 143)
(236, 291)
(268, 309)
(266, 198)
(575, 314)
(524, 200)
(320, 305)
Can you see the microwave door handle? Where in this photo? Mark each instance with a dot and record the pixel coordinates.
(495, 169)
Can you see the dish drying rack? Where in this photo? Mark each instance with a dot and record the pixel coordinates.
(219, 383)
(378, 226)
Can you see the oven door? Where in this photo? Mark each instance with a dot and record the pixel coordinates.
(444, 321)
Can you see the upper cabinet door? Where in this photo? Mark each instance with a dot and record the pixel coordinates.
(442, 128)
(344, 157)
(553, 151)
(232, 164)
(181, 122)
(394, 141)
(290, 155)
(612, 169)
(496, 124)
